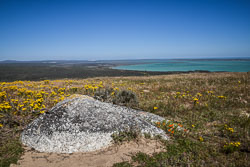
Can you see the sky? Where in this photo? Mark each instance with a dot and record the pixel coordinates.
(123, 29)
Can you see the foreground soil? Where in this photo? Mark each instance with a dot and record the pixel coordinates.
(102, 158)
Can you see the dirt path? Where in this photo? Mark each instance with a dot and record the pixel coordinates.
(102, 158)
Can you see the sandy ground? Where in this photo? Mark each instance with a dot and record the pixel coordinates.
(102, 158)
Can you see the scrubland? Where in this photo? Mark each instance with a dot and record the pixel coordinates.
(212, 109)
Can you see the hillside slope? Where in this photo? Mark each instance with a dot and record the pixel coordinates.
(213, 109)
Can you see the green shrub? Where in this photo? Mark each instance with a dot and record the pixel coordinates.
(104, 95)
(123, 97)
(127, 135)
(126, 98)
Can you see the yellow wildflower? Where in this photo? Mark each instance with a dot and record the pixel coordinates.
(221, 97)
(237, 144)
(230, 129)
(195, 99)
(201, 139)
(21, 105)
(199, 94)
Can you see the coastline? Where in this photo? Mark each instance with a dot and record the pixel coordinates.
(43, 70)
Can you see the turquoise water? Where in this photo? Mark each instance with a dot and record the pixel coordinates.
(190, 65)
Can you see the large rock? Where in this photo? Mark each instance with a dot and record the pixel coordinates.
(83, 124)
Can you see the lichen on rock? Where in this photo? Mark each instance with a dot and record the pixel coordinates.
(83, 124)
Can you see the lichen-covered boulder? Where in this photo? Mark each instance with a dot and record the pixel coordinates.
(83, 124)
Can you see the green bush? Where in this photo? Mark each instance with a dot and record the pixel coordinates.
(126, 98)
(123, 97)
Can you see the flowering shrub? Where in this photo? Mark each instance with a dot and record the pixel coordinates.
(170, 127)
(231, 147)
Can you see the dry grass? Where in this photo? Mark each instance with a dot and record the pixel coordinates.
(213, 108)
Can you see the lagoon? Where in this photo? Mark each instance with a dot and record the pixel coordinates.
(189, 65)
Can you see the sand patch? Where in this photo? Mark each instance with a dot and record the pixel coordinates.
(102, 158)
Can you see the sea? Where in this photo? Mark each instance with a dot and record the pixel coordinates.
(188, 65)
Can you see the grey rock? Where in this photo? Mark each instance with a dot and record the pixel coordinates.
(84, 124)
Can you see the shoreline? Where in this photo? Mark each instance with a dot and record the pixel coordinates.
(47, 71)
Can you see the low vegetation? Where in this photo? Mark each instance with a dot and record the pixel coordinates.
(128, 135)
(209, 114)
(42, 71)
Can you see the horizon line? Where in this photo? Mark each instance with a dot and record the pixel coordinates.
(234, 58)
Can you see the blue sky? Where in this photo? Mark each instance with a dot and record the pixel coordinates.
(119, 29)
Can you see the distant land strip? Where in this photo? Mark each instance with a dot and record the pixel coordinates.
(35, 71)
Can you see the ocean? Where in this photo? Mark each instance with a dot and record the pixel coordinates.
(189, 65)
